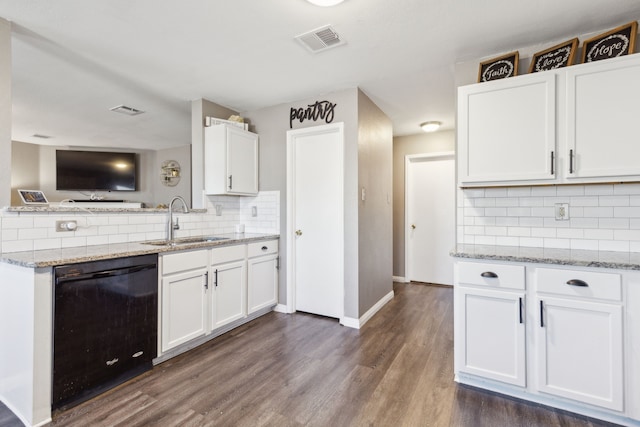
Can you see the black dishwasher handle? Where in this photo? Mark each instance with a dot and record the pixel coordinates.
(105, 273)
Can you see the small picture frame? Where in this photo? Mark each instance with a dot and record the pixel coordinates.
(617, 42)
(499, 68)
(558, 56)
(33, 197)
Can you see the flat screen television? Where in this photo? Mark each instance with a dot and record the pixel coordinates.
(95, 171)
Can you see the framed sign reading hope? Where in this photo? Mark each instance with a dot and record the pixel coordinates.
(617, 42)
(499, 68)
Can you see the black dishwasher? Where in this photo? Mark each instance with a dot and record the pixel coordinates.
(105, 325)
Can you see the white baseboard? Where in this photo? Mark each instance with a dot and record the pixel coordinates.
(350, 322)
(281, 308)
(400, 279)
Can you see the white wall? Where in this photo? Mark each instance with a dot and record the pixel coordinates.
(5, 112)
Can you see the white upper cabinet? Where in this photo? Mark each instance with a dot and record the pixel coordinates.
(567, 126)
(231, 161)
(507, 130)
(602, 114)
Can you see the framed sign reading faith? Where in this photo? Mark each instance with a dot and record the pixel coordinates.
(558, 56)
(499, 68)
(617, 42)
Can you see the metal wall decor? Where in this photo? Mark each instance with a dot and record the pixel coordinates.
(558, 56)
(617, 42)
(320, 110)
(499, 68)
(170, 173)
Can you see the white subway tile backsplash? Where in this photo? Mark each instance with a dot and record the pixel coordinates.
(26, 231)
(598, 190)
(602, 216)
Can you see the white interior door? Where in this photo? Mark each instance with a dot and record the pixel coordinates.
(315, 220)
(430, 217)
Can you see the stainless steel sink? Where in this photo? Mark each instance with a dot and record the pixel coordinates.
(185, 241)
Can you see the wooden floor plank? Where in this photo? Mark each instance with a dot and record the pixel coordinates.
(306, 370)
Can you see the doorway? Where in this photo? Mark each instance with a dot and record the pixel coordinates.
(429, 217)
(315, 220)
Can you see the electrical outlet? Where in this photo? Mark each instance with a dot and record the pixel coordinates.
(562, 211)
(218, 210)
(66, 225)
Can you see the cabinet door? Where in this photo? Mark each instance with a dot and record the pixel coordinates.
(263, 282)
(490, 341)
(507, 130)
(580, 351)
(602, 115)
(183, 307)
(231, 160)
(228, 293)
(242, 161)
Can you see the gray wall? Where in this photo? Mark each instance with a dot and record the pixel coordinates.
(375, 152)
(403, 146)
(367, 158)
(33, 167)
(5, 112)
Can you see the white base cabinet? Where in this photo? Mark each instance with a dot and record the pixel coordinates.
(263, 265)
(183, 296)
(207, 291)
(580, 336)
(555, 337)
(490, 321)
(228, 289)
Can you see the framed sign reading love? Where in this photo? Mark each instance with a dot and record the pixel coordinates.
(558, 56)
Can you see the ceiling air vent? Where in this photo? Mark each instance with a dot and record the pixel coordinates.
(130, 111)
(320, 39)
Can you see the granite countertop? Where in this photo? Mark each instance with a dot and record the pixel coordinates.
(79, 208)
(577, 257)
(54, 257)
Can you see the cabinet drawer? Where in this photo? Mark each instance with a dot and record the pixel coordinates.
(183, 261)
(586, 284)
(495, 275)
(262, 248)
(228, 254)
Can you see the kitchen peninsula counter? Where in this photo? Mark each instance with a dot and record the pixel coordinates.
(569, 257)
(54, 257)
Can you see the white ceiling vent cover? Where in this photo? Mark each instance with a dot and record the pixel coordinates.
(130, 111)
(320, 39)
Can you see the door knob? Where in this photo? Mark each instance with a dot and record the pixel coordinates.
(298, 233)
(413, 226)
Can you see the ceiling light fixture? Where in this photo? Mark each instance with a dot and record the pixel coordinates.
(325, 3)
(430, 126)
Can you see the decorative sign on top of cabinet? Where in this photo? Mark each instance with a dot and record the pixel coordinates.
(565, 126)
(231, 161)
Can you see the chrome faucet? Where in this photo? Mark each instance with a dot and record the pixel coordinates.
(170, 225)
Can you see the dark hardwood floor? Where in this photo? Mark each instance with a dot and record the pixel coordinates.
(301, 369)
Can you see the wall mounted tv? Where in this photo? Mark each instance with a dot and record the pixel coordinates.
(95, 171)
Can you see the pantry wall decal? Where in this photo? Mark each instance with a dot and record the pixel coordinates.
(320, 110)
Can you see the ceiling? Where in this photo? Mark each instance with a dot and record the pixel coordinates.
(73, 60)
